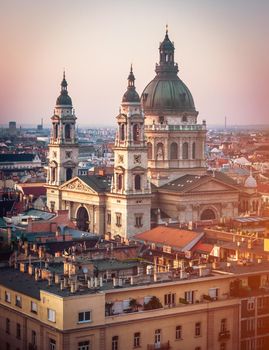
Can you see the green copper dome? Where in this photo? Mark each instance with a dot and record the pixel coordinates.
(166, 93)
(64, 99)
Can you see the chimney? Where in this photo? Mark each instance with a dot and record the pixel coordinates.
(62, 284)
(57, 279)
(101, 281)
(115, 282)
(73, 287)
(65, 282)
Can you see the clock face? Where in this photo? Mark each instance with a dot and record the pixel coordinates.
(137, 158)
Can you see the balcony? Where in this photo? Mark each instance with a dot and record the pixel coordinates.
(224, 335)
(159, 346)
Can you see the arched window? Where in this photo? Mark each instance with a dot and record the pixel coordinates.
(184, 119)
(185, 150)
(149, 150)
(208, 214)
(67, 131)
(160, 151)
(173, 151)
(136, 132)
(120, 178)
(69, 173)
(137, 182)
(122, 132)
(82, 219)
(193, 150)
(55, 131)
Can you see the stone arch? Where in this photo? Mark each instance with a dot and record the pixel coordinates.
(136, 132)
(67, 131)
(82, 219)
(208, 214)
(137, 181)
(122, 132)
(69, 174)
(173, 150)
(160, 151)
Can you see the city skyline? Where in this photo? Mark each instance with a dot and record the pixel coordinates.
(219, 49)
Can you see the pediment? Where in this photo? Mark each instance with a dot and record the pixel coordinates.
(77, 185)
(212, 186)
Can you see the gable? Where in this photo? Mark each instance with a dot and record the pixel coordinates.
(212, 186)
(76, 185)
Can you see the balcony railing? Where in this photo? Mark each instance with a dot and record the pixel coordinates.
(183, 127)
(224, 335)
(159, 346)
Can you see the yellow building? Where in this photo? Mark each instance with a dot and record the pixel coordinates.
(145, 311)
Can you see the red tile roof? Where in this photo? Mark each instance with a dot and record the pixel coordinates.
(169, 236)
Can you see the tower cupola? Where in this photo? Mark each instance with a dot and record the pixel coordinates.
(131, 95)
(64, 99)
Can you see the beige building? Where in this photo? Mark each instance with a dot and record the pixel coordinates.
(47, 309)
(159, 173)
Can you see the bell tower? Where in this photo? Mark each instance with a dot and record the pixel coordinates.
(63, 146)
(130, 189)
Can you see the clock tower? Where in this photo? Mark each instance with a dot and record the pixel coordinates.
(130, 196)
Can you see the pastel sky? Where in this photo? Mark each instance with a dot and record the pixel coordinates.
(222, 49)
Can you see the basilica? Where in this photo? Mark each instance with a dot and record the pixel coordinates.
(160, 173)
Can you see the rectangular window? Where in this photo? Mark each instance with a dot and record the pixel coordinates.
(33, 307)
(250, 324)
(260, 303)
(52, 344)
(7, 346)
(7, 297)
(223, 325)
(115, 342)
(250, 344)
(84, 316)
(7, 325)
(84, 345)
(189, 296)
(213, 293)
(18, 331)
(18, 301)
(137, 340)
(169, 299)
(33, 337)
(109, 218)
(51, 315)
(118, 219)
(197, 331)
(250, 305)
(138, 220)
(178, 332)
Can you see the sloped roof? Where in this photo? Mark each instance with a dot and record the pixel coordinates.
(96, 182)
(169, 236)
(186, 182)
